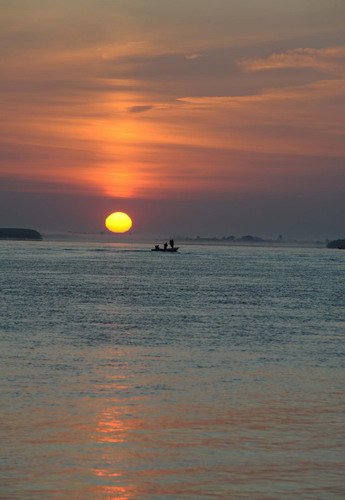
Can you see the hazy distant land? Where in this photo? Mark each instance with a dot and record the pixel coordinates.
(13, 233)
(32, 234)
(252, 240)
(151, 239)
(340, 244)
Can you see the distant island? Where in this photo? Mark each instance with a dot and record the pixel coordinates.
(247, 239)
(13, 233)
(337, 244)
(227, 239)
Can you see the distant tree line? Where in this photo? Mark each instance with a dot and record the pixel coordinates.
(337, 244)
(14, 233)
(246, 239)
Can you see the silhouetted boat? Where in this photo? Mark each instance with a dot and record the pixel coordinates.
(157, 248)
(166, 248)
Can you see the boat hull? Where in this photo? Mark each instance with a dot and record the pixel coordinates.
(171, 250)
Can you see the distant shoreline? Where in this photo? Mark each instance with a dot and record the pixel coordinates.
(182, 241)
(19, 234)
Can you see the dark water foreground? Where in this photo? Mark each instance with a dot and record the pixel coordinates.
(215, 373)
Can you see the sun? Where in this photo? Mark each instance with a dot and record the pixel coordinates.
(118, 222)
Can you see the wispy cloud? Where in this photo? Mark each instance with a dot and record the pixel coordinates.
(140, 109)
(193, 56)
(315, 90)
(329, 60)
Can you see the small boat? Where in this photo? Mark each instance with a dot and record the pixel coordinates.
(165, 248)
(157, 248)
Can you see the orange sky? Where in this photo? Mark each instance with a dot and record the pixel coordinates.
(186, 100)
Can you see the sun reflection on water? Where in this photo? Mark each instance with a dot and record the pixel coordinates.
(112, 434)
(111, 427)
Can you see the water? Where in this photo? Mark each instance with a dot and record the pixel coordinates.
(216, 373)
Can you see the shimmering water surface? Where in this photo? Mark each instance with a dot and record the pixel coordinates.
(214, 373)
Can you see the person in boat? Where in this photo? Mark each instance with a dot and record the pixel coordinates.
(165, 245)
(157, 247)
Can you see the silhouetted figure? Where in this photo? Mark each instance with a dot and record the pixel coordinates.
(157, 247)
(171, 243)
(165, 245)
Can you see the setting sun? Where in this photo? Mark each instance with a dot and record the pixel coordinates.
(118, 222)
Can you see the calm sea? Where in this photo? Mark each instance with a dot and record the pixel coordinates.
(215, 373)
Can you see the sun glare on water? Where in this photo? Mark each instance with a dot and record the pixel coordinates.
(118, 222)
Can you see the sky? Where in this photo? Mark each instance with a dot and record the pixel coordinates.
(196, 117)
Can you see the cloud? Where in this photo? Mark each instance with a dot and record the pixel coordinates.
(139, 109)
(329, 60)
(36, 184)
(193, 56)
(316, 90)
